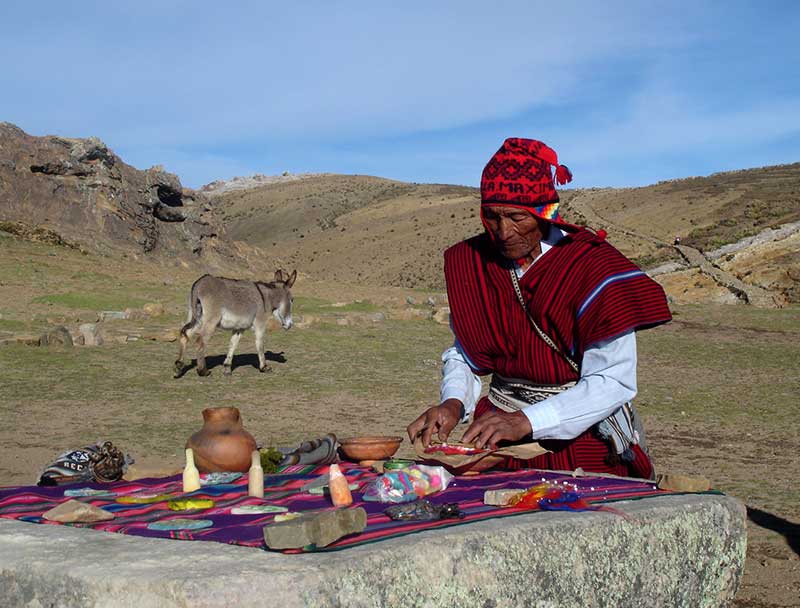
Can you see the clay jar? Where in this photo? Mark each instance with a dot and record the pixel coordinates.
(222, 444)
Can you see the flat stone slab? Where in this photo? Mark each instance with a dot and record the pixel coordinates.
(668, 551)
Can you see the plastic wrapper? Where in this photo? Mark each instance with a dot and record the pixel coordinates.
(407, 485)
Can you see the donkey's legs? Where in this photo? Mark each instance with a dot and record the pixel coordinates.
(262, 361)
(203, 336)
(237, 335)
(185, 336)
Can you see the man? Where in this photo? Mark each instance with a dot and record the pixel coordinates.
(550, 310)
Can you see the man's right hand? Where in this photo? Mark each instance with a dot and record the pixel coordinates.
(440, 419)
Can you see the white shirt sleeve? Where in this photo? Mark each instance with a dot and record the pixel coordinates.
(608, 379)
(458, 381)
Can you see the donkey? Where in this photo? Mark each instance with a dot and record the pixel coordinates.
(234, 305)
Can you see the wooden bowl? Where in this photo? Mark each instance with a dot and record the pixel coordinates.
(369, 448)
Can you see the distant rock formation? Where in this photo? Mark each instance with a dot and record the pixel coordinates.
(79, 190)
(220, 186)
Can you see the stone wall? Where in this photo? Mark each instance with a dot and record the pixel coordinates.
(673, 551)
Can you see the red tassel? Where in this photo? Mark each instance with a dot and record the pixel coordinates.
(563, 175)
(602, 234)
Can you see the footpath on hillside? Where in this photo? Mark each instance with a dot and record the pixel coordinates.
(694, 258)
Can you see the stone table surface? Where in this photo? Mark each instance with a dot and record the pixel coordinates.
(669, 551)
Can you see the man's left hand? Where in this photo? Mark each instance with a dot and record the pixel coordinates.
(489, 429)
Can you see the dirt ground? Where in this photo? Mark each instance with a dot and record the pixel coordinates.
(717, 387)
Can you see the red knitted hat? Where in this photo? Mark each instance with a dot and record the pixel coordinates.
(519, 175)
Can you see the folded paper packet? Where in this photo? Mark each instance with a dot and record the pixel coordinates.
(466, 461)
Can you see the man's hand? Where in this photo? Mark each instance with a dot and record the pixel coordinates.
(440, 419)
(489, 429)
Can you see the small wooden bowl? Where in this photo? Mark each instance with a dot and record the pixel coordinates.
(357, 449)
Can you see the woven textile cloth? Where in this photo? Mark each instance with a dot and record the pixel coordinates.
(27, 503)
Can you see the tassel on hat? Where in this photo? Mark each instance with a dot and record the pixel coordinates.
(563, 175)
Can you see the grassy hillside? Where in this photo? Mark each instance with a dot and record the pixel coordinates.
(706, 211)
(379, 232)
(355, 228)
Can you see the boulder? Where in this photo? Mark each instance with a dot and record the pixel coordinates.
(134, 314)
(686, 550)
(153, 309)
(92, 334)
(23, 339)
(114, 315)
(442, 316)
(410, 314)
(168, 335)
(58, 336)
(97, 201)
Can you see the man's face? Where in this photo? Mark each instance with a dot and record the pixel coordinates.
(516, 232)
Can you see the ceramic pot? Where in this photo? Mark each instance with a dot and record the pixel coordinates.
(222, 444)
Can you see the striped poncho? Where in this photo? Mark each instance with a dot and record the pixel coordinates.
(580, 292)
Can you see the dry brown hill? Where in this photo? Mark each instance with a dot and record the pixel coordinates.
(369, 230)
(77, 192)
(707, 212)
(355, 228)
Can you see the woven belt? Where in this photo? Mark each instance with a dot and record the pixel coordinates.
(513, 394)
(621, 428)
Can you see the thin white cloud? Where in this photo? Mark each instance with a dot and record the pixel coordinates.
(212, 75)
(210, 88)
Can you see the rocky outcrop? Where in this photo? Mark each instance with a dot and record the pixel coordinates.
(222, 186)
(673, 551)
(79, 190)
(752, 294)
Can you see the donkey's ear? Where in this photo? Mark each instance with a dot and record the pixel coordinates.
(290, 281)
(279, 275)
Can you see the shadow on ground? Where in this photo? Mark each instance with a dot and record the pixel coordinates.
(250, 359)
(790, 531)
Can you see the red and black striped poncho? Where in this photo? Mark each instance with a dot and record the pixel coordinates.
(580, 292)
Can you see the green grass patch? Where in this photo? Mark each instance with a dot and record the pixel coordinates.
(358, 306)
(12, 325)
(83, 275)
(721, 374)
(785, 320)
(311, 305)
(90, 301)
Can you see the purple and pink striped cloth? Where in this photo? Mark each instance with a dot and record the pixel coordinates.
(27, 503)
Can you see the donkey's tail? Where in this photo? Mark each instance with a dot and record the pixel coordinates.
(195, 312)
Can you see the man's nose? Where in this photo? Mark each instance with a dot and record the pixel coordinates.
(504, 228)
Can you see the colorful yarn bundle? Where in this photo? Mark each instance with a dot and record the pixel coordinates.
(549, 496)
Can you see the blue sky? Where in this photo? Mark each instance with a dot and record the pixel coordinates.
(627, 93)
